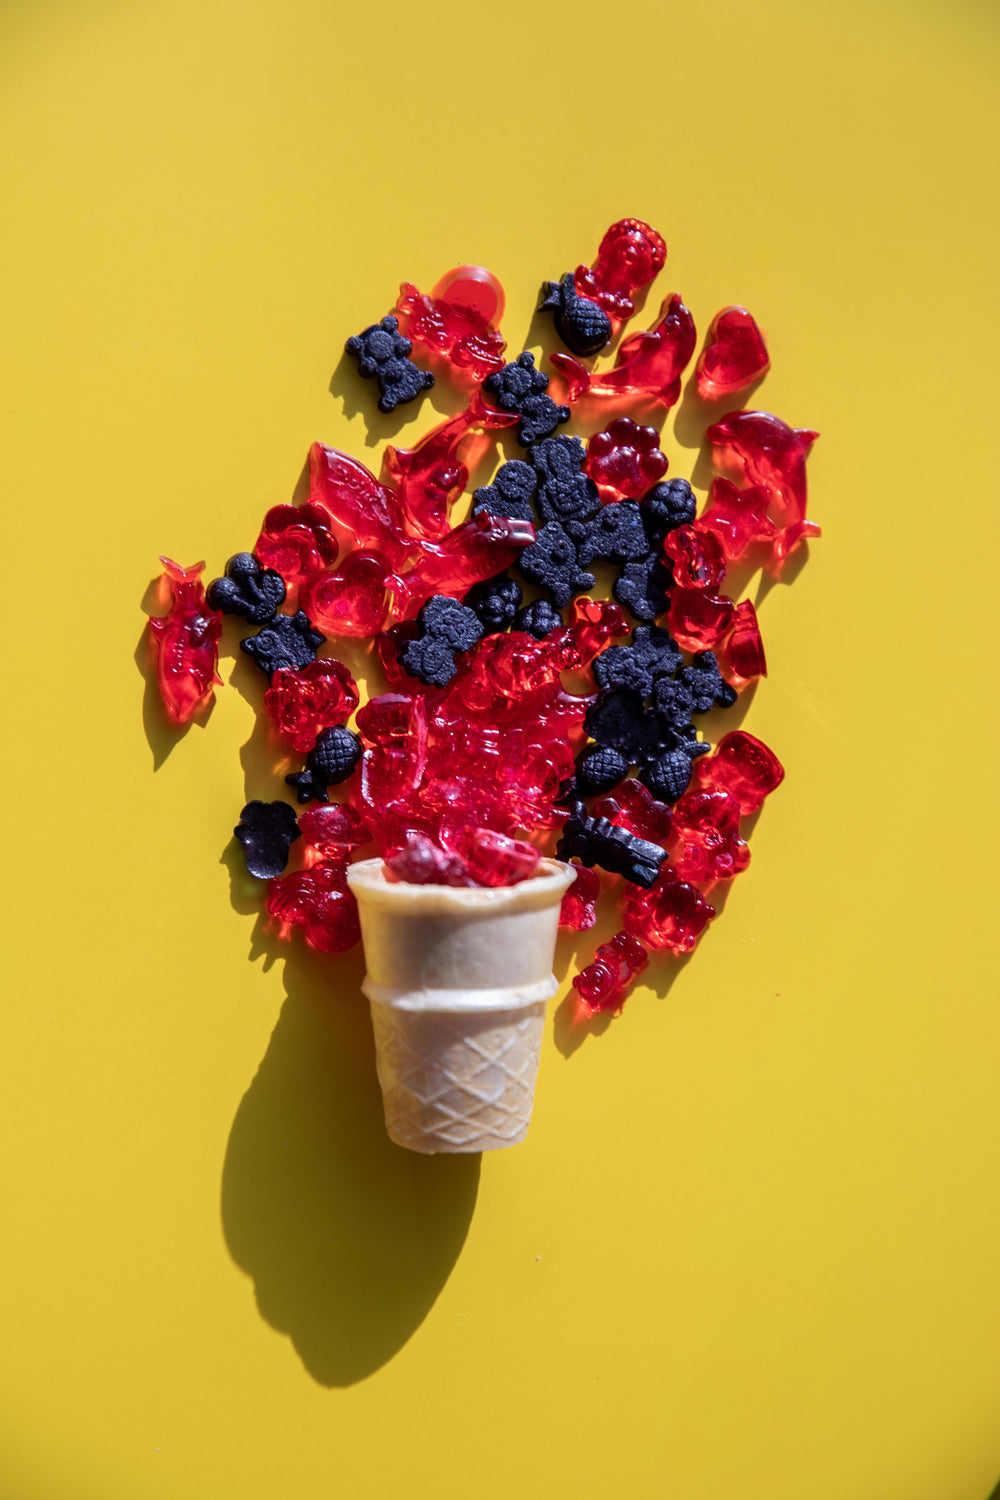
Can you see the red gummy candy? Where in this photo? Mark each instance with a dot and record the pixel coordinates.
(364, 513)
(594, 623)
(395, 725)
(743, 766)
(625, 460)
(670, 915)
(187, 643)
(479, 549)
(697, 556)
(333, 830)
(603, 984)
(352, 600)
(494, 859)
(458, 320)
(630, 255)
(738, 518)
(421, 862)
(578, 911)
(698, 619)
(761, 448)
(744, 648)
(430, 476)
(734, 356)
(318, 901)
(633, 807)
(707, 827)
(507, 677)
(649, 365)
(296, 541)
(300, 703)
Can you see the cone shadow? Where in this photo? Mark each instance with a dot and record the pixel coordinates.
(348, 1238)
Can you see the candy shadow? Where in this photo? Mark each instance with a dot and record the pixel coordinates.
(348, 1239)
(694, 415)
(162, 734)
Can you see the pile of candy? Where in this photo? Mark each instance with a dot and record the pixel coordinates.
(479, 758)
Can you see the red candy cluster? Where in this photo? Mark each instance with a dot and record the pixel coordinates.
(470, 783)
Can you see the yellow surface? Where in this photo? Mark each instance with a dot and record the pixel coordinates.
(750, 1246)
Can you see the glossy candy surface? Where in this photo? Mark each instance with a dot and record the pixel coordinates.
(318, 901)
(603, 984)
(300, 703)
(187, 643)
(625, 460)
(630, 254)
(759, 447)
(735, 355)
(649, 365)
(459, 320)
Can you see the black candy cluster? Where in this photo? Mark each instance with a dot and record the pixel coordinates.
(382, 351)
(446, 627)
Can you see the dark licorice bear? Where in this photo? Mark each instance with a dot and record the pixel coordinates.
(653, 654)
(565, 493)
(249, 590)
(267, 830)
(446, 626)
(582, 325)
(551, 563)
(599, 769)
(330, 761)
(669, 504)
(618, 718)
(289, 641)
(595, 841)
(708, 688)
(520, 388)
(510, 492)
(496, 601)
(615, 535)
(644, 587)
(382, 351)
(539, 619)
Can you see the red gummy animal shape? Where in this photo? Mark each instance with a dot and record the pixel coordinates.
(187, 644)
(649, 365)
(761, 448)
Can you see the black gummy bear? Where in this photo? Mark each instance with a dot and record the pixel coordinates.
(551, 563)
(565, 493)
(448, 620)
(496, 601)
(644, 587)
(668, 776)
(596, 841)
(706, 684)
(520, 388)
(616, 535)
(289, 641)
(267, 830)
(331, 760)
(429, 660)
(653, 654)
(539, 619)
(382, 351)
(599, 769)
(669, 504)
(509, 494)
(582, 325)
(617, 718)
(248, 589)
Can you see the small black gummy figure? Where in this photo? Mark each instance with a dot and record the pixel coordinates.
(653, 654)
(618, 719)
(596, 841)
(520, 388)
(616, 535)
(496, 601)
(289, 641)
(669, 504)
(248, 589)
(599, 769)
(382, 351)
(446, 626)
(538, 619)
(565, 493)
(580, 323)
(551, 563)
(267, 830)
(644, 587)
(330, 761)
(706, 683)
(668, 776)
(509, 494)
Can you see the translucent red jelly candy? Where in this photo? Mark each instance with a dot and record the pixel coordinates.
(318, 901)
(707, 828)
(630, 255)
(578, 911)
(672, 914)
(734, 356)
(301, 703)
(364, 513)
(187, 643)
(459, 320)
(296, 541)
(743, 766)
(352, 600)
(333, 829)
(421, 861)
(603, 984)
(633, 807)
(738, 518)
(744, 649)
(698, 559)
(624, 460)
(479, 549)
(594, 623)
(649, 365)
(761, 448)
(494, 859)
(698, 619)
(431, 475)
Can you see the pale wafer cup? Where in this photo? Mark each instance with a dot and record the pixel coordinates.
(458, 979)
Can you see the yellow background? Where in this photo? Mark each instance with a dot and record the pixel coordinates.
(750, 1247)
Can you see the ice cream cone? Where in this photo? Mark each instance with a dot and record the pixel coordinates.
(458, 979)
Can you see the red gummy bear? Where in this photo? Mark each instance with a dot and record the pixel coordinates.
(318, 901)
(698, 619)
(578, 911)
(332, 830)
(759, 447)
(296, 541)
(593, 624)
(707, 827)
(649, 365)
(744, 648)
(734, 356)
(187, 643)
(743, 766)
(301, 703)
(624, 460)
(630, 255)
(603, 984)
(633, 807)
(458, 321)
(670, 915)
(697, 557)
(737, 518)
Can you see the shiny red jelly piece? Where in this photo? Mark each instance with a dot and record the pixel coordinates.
(604, 983)
(297, 542)
(738, 518)
(698, 619)
(649, 365)
(578, 911)
(625, 460)
(187, 643)
(707, 831)
(744, 649)
(672, 914)
(318, 901)
(494, 859)
(743, 766)
(697, 557)
(421, 861)
(759, 447)
(631, 253)
(458, 321)
(479, 549)
(431, 475)
(333, 830)
(301, 703)
(734, 356)
(352, 600)
(633, 807)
